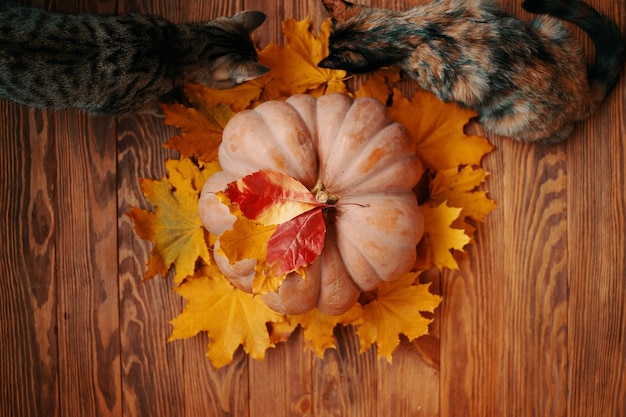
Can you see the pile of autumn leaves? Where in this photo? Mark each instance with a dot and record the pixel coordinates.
(450, 202)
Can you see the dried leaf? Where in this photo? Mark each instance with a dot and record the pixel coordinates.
(379, 85)
(441, 236)
(201, 130)
(302, 53)
(296, 243)
(246, 240)
(271, 197)
(438, 129)
(229, 316)
(395, 311)
(318, 327)
(237, 99)
(459, 188)
(288, 210)
(174, 227)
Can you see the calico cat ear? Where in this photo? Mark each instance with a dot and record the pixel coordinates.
(340, 62)
(249, 19)
(337, 8)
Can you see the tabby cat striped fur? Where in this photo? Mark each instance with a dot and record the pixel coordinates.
(119, 64)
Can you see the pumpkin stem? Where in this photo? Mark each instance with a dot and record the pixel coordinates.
(322, 195)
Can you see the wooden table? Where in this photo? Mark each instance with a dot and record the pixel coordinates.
(534, 323)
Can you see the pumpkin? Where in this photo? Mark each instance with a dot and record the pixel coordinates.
(348, 150)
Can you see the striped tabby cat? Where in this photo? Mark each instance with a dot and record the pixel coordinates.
(526, 81)
(119, 64)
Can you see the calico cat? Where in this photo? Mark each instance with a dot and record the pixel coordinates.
(526, 81)
(119, 64)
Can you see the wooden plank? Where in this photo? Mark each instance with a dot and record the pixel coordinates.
(471, 319)
(535, 325)
(597, 246)
(409, 386)
(597, 270)
(28, 317)
(152, 369)
(211, 392)
(284, 378)
(88, 310)
(512, 344)
(345, 382)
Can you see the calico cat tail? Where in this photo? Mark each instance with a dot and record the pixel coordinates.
(610, 46)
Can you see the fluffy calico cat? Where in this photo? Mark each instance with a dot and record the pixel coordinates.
(526, 81)
(119, 64)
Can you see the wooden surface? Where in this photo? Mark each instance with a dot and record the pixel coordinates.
(534, 323)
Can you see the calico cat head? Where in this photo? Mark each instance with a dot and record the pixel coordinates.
(357, 43)
(228, 58)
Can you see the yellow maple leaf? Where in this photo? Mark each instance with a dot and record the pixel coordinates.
(230, 317)
(295, 64)
(441, 236)
(458, 187)
(202, 129)
(395, 311)
(437, 128)
(248, 240)
(174, 227)
(318, 327)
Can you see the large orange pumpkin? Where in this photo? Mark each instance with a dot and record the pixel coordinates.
(351, 150)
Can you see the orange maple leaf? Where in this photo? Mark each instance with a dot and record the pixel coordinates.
(395, 311)
(230, 317)
(379, 85)
(201, 129)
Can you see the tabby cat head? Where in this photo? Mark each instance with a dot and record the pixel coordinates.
(357, 41)
(228, 57)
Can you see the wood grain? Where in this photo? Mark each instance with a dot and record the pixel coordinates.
(283, 379)
(532, 324)
(145, 308)
(28, 279)
(88, 304)
(597, 246)
(344, 381)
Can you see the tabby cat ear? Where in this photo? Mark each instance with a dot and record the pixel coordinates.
(337, 8)
(249, 19)
(247, 71)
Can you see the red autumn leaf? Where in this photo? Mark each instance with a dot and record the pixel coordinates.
(297, 243)
(271, 197)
